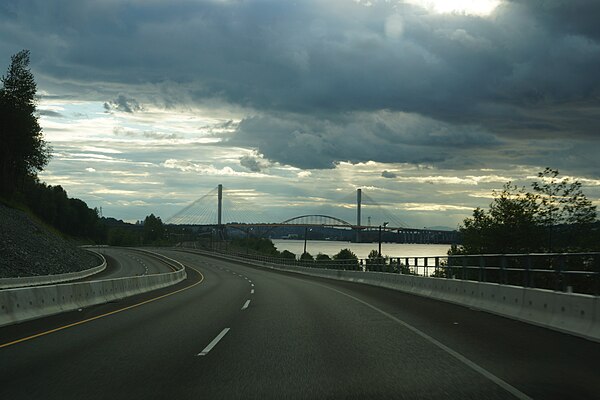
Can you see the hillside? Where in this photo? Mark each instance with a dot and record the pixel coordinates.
(27, 248)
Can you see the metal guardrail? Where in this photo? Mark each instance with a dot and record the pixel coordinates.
(566, 272)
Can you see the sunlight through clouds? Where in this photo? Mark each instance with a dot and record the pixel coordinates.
(475, 7)
(429, 105)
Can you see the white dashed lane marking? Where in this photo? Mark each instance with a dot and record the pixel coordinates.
(214, 342)
(246, 304)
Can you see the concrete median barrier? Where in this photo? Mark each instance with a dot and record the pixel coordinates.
(22, 304)
(8, 283)
(573, 312)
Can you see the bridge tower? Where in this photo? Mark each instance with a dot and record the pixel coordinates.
(358, 204)
(220, 205)
(220, 227)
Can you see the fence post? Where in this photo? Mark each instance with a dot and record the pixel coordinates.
(481, 268)
(503, 264)
(528, 273)
(560, 276)
(425, 267)
(464, 267)
(596, 269)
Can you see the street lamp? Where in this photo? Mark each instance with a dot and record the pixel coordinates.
(305, 237)
(384, 225)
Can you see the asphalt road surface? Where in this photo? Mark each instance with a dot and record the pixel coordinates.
(122, 262)
(235, 331)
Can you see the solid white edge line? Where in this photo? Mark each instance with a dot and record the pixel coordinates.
(246, 304)
(214, 342)
(498, 381)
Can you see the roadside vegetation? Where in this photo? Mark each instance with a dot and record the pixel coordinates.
(553, 216)
(24, 153)
(344, 259)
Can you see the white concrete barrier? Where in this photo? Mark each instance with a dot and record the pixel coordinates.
(571, 313)
(22, 304)
(595, 328)
(7, 283)
(539, 306)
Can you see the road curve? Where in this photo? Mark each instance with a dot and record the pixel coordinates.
(235, 331)
(127, 262)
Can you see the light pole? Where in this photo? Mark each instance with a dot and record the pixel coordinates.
(305, 237)
(384, 225)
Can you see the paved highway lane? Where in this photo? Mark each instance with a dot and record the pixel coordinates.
(243, 332)
(123, 262)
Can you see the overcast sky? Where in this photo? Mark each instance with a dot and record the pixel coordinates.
(292, 105)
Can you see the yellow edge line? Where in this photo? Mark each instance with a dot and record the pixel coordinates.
(103, 315)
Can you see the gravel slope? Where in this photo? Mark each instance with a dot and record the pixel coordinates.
(28, 249)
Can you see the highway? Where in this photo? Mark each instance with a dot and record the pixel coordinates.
(122, 263)
(235, 331)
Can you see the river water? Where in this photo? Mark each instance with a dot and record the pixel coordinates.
(361, 250)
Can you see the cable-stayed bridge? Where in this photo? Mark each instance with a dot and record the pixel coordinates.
(223, 209)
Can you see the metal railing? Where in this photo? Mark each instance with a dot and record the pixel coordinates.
(567, 272)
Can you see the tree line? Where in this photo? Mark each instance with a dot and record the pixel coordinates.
(24, 153)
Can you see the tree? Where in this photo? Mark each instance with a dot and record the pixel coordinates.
(23, 150)
(562, 202)
(287, 255)
(519, 221)
(258, 245)
(323, 257)
(510, 225)
(346, 259)
(374, 261)
(154, 229)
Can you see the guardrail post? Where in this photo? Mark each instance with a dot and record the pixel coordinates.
(596, 270)
(560, 276)
(528, 273)
(464, 268)
(503, 265)
(481, 269)
(437, 267)
(425, 267)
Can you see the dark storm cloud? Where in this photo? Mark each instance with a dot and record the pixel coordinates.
(318, 74)
(579, 17)
(311, 142)
(122, 103)
(252, 163)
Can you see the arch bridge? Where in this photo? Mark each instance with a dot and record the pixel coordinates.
(316, 220)
(308, 220)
